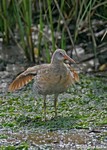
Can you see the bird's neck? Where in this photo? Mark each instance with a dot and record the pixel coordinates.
(56, 62)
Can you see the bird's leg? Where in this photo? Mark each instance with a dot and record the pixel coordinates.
(55, 104)
(44, 107)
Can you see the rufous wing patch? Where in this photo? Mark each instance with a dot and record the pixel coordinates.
(76, 77)
(19, 82)
(75, 74)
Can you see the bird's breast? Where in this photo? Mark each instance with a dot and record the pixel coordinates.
(52, 80)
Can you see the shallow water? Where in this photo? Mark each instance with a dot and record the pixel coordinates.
(72, 139)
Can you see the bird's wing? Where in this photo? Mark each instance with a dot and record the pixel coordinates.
(24, 78)
(74, 75)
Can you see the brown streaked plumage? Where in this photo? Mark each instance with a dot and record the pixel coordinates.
(53, 78)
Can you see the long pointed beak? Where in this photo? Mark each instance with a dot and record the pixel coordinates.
(68, 58)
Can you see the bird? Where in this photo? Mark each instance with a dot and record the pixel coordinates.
(54, 78)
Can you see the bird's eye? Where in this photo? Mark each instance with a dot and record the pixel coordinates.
(61, 54)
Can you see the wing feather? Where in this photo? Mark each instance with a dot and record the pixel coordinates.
(75, 74)
(20, 82)
(25, 77)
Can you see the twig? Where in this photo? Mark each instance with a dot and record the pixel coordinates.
(104, 35)
(92, 56)
(56, 3)
(15, 40)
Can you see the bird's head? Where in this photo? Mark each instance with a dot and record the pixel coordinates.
(60, 55)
